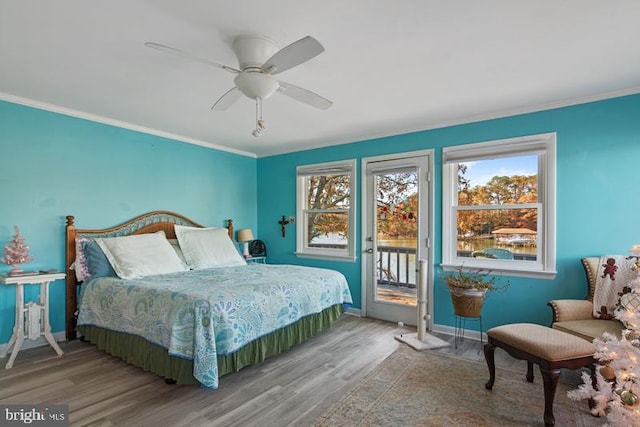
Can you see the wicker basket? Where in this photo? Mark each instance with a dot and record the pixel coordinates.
(467, 302)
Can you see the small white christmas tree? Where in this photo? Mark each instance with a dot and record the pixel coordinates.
(616, 393)
(16, 252)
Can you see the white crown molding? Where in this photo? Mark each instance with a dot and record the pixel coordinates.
(117, 123)
(471, 119)
(481, 117)
(539, 107)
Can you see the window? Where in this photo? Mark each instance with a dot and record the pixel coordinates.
(326, 216)
(499, 206)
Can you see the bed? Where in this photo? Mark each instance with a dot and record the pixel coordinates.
(193, 320)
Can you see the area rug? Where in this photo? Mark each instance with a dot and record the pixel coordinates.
(412, 388)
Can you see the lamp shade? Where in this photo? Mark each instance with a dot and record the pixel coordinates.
(245, 235)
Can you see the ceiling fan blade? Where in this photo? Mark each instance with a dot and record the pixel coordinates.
(227, 100)
(294, 54)
(304, 95)
(182, 53)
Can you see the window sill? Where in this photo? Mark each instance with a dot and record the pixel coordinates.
(328, 257)
(504, 271)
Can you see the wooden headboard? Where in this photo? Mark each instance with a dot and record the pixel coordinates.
(148, 223)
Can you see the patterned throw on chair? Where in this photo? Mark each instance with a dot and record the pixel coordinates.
(615, 272)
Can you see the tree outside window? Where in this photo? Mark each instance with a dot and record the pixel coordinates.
(325, 211)
(397, 203)
(503, 212)
(499, 205)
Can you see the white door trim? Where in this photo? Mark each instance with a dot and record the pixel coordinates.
(430, 153)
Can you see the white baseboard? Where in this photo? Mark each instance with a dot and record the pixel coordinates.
(442, 329)
(27, 344)
(354, 312)
(468, 333)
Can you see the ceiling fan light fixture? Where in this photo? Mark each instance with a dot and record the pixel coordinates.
(259, 59)
(256, 85)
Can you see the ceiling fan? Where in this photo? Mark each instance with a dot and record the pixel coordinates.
(258, 61)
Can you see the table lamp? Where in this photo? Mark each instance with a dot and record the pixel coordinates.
(245, 236)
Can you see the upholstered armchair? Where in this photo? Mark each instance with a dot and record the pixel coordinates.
(577, 316)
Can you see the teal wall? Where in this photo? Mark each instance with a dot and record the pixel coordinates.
(598, 198)
(52, 165)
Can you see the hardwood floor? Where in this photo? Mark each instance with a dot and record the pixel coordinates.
(293, 388)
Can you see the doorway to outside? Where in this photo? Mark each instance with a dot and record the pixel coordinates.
(396, 223)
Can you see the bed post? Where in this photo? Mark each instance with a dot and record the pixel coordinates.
(230, 228)
(70, 280)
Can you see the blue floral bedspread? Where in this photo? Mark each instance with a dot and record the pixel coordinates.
(200, 314)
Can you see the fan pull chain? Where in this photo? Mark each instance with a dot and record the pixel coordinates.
(257, 132)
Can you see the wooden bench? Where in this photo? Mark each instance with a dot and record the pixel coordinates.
(548, 348)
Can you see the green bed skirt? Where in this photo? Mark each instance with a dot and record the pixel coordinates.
(139, 352)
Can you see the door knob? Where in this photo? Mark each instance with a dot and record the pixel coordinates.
(369, 251)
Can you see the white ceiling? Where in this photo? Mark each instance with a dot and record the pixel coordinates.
(390, 67)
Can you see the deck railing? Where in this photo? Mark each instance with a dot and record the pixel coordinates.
(396, 266)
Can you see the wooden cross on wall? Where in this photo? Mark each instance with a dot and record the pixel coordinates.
(282, 223)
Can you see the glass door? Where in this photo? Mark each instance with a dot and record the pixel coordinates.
(395, 236)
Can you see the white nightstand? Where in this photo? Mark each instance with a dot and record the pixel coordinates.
(35, 314)
(256, 260)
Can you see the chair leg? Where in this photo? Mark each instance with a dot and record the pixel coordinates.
(489, 350)
(529, 372)
(550, 381)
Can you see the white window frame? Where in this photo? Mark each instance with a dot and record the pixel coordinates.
(544, 145)
(343, 167)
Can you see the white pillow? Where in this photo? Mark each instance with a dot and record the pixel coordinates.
(207, 247)
(141, 255)
(176, 247)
